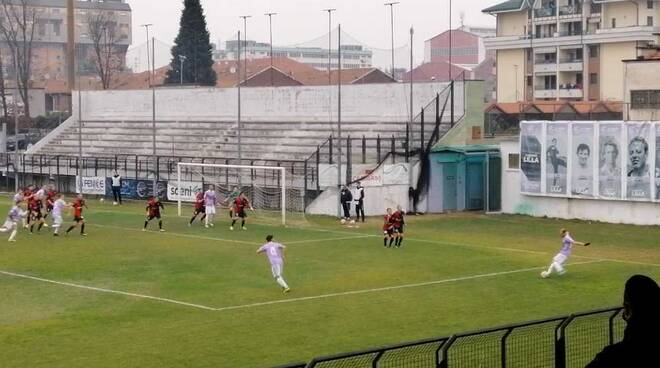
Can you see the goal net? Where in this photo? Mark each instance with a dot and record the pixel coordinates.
(276, 196)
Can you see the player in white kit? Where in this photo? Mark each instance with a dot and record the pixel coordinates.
(58, 209)
(560, 259)
(11, 223)
(210, 201)
(275, 253)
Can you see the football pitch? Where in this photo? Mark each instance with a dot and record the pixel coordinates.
(196, 297)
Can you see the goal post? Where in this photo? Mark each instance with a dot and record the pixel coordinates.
(265, 186)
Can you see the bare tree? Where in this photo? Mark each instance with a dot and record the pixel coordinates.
(18, 20)
(102, 29)
(3, 92)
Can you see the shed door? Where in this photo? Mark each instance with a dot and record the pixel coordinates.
(449, 186)
(475, 186)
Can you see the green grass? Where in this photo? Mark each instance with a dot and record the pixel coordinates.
(48, 325)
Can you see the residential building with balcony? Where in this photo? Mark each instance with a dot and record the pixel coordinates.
(569, 49)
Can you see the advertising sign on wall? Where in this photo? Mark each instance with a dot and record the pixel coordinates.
(91, 185)
(138, 189)
(556, 158)
(186, 192)
(530, 156)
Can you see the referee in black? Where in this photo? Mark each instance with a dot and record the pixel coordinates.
(359, 201)
(346, 198)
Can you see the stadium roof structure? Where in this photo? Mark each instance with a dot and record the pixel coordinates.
(470, 148)
(550, 107)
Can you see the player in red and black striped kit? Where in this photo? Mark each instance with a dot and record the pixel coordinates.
(398, 221)
(35, 205)
(78, 219)
(51, 195)
(388, 229)
(239, 211)
(153, 211)
(199, 208)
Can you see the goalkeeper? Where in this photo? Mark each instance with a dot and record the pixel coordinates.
(229, 201)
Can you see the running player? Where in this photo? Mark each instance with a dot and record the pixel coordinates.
(28, 192)
(397, 219)
(275, 253)
(153, 211)
(239, 211)
(210, 201)
(11, 223)
(18, 198)
(388, 230)
(560, 259)
(78, 219)
(51, 196)
(229, 201)
(199, 207)
(58, 207)
(35, 206)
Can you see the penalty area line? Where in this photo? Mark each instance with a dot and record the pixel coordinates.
(109, 291)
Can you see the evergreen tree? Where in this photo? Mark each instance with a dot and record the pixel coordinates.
(194, 45)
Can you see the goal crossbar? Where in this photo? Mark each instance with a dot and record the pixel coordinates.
(282, 171)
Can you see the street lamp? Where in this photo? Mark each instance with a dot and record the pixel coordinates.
(391, 5)
(329, 10)
(515, 70)
(182, 58)
(270, 24)
(146, 27)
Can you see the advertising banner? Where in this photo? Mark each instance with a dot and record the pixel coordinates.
(138, 189)
(638, 177)
(582, 160)
(530, 156)
(610, 160)
(186, 192)
(556, 158)
(366, 175)
(91, 185)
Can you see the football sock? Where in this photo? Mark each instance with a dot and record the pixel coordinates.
(82, 229)
(203, 217)
(400, 241)
(385, 241)
(31, 227)
(391, 241)
(243, 223)
(146, 222)
(282, 283)
(160, 224)
(40, 225)
(193, 219)
(233, 222)
(13, 234)
(70, 228)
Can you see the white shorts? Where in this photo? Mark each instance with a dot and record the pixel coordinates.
(560, 258)
(57, 220)
(277, 270)
(210, 210)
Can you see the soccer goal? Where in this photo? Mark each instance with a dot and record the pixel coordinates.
(277, 198)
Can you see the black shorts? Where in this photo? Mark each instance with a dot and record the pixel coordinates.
(388, 232)
(78, 219)
(398, 229)
(241, 214)
(153, 216)
(200, 210)
(49, 208)
(36, 214)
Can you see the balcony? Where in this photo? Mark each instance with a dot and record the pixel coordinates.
(545, 92)
(570, 10)
(570, 92)
(545, 66)
(595, 9)
(569, 33)
(570, 65)
(545, 12)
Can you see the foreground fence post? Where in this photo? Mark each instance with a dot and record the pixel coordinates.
(560, 343)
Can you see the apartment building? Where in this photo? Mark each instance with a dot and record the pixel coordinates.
(50, 35)
(352, 56)
(467, 46)
(569, 49)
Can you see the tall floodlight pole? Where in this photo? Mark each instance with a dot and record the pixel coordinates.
(329, 10)
(245, 18)
(153, 113)
(410, 123)
(450, 43)
(238, 121)
(146, 28)
(16, 164)
(340, 181)
(70, 50)
(391, 5)
(270, 25)
(182, 58)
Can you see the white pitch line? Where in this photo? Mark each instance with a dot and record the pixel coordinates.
(103, 290)
(327, 239)
(293, 300)
(389, 288)
(176, 234)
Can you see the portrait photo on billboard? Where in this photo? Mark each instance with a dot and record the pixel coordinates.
(638, 170)
(556, 160)
(582, 165)
(530, 156)
(657, 162)
(610, 160)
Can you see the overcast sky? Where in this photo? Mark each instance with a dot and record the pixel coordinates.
(302, 20)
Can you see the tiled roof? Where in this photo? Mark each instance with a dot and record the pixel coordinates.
(510, 5)
(436, 71)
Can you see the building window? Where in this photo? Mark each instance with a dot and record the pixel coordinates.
(593, 51)
(613, 22)
(645, 99)
(529, 80)
(649, 21)
(514, 161)
(593, 78)
(649, 4)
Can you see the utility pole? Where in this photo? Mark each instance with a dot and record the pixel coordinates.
(270, 24)
(391, 5)
(245, 18)
(146, 27)
(16, 162)
(70, 51)
(412, 116)
(238, 121)
(153, 114)
(340, 182)
(450, 44)
(182, 58)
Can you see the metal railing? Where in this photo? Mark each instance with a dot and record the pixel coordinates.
(545, 12)
(570, 10)
(560, 342)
